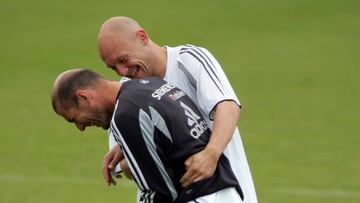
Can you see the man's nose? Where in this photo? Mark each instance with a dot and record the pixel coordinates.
(121, 69)
(80, 126)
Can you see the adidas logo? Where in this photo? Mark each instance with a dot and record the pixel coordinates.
(198, 125)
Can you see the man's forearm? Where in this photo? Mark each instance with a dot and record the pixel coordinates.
(225, 121)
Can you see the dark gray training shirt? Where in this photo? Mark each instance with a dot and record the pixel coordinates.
(158, 127)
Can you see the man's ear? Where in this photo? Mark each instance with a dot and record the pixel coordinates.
(142, 36)
(83, 96)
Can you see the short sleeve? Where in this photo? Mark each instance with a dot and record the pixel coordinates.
(212, 85)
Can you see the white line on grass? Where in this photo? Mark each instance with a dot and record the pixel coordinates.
(311, 192)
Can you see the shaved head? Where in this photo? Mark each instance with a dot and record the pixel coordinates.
(126, 48)
(119, 25)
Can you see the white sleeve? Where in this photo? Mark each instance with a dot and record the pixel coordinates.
(112, 143)
(212, 85)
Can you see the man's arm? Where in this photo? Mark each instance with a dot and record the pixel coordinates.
(111, 159)
(217, 99)
(203, 164)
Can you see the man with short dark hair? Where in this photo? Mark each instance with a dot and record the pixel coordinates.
(157, 126)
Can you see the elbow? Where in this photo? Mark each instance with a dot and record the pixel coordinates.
(231, 107)
(236, 111)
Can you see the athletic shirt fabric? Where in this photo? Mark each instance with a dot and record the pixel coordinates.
(195, 71)
(158, 127)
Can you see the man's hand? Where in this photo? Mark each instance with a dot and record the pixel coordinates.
(203, 164)
(200, 165)
(111, 159)
(125, 168)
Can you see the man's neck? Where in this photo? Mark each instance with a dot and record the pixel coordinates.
(110, 93)
(160, 62)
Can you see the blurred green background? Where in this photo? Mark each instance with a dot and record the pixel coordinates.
(295, 66)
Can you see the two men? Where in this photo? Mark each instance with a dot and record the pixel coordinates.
(126, 48)
(157, 126)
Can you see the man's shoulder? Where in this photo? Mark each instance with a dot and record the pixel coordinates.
(125, 109)
(141, 91)
(146, 83)
(185, 48)
(190, 55)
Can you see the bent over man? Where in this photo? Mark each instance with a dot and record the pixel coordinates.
(157, 127)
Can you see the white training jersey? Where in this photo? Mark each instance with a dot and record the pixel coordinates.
(195, 71)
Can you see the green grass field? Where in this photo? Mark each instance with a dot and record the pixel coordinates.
(295, 66)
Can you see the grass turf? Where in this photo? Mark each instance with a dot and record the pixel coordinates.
(294, 66)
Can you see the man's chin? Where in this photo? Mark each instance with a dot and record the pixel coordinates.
(106, 127)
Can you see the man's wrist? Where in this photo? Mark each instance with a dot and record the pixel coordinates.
(213, 151)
